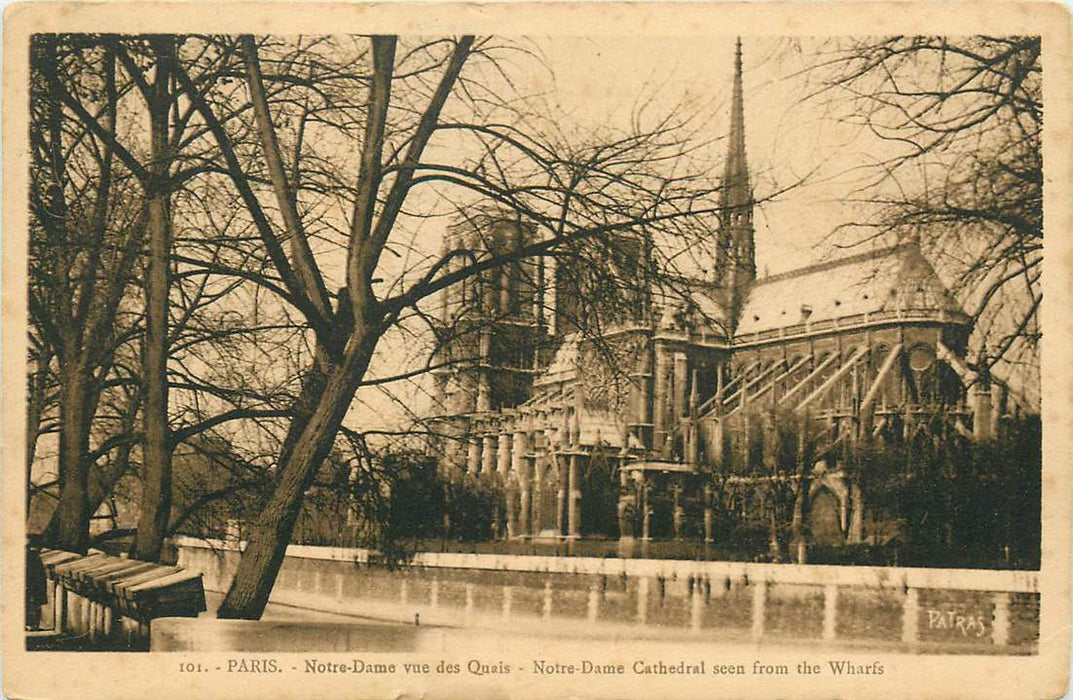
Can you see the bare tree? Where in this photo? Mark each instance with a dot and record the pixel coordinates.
(569, 193)
(98, 187)
(961, 170)
(85, 237)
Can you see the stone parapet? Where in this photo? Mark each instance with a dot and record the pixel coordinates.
(950, 610)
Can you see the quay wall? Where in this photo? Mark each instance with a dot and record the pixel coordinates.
(910, 609)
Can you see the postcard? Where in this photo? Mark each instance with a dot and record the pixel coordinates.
(531, 350)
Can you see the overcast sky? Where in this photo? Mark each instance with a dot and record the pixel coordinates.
(788, 137)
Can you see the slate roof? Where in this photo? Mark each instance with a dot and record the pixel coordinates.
(895, 279)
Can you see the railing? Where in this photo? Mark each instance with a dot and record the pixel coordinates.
(113, 600)
(801, 330)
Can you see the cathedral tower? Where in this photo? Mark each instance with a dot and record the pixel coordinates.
(491, 325)
(736, 254)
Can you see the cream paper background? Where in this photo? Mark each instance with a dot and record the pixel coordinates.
(157, 676)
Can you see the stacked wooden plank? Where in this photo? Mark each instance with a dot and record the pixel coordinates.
(105, 597)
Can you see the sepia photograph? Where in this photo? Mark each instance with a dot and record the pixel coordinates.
(447, 362)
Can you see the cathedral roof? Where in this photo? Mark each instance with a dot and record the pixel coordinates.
(887, 283)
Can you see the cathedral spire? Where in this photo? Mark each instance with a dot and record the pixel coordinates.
(736, 255)
(736, 189)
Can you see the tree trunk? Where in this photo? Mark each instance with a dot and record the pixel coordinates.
(271, 533)
(774, 546)
(799, 537)
(797, 525)
(156, 486)
(313, 383)
(102, 480)
(100, 484)
(34, 408)
(72, 512)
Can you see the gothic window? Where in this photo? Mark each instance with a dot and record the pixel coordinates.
(921, 357)
(922, 363)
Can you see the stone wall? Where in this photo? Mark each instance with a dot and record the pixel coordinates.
(970, 611)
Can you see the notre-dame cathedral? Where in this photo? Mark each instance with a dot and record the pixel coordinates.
(639, 431)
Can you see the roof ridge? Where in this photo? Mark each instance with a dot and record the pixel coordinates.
(830, 264)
